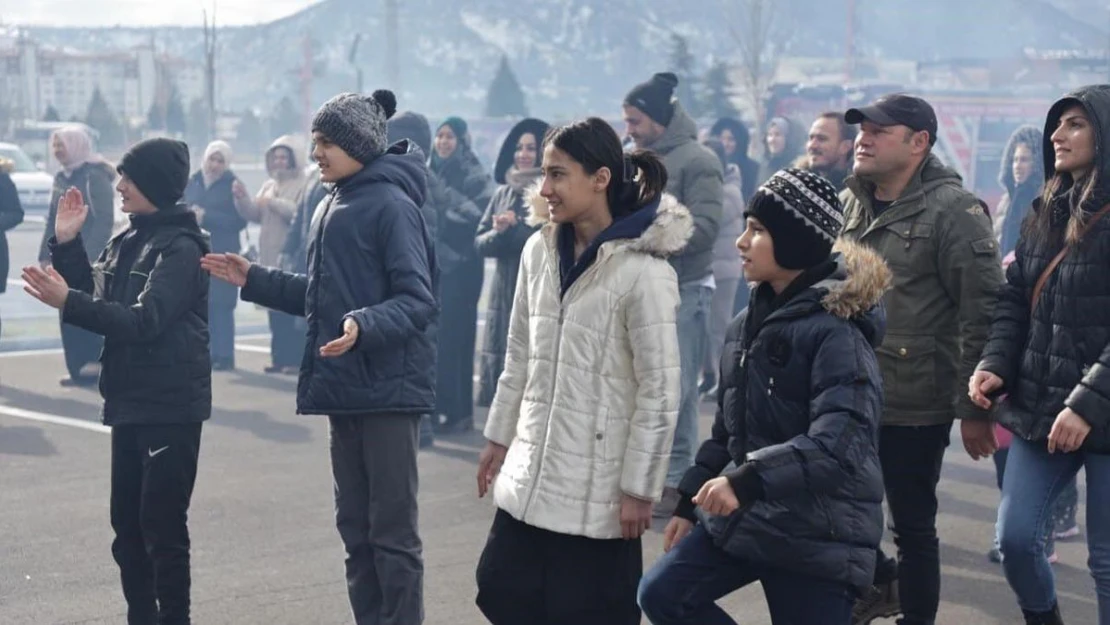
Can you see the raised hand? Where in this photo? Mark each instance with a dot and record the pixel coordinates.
(47, 286)
(72, 213)
(230, 268)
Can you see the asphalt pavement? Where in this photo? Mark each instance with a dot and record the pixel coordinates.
(264, 547)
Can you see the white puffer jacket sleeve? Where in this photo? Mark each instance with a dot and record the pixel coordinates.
(650, 316)
(505, 410)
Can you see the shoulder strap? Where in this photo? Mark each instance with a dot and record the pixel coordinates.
(1056, 260)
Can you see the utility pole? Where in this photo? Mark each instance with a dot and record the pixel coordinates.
(210, 69)
(392, 47)
(352, 58)
(306, 84)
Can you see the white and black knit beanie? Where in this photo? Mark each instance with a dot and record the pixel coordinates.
(357, 123)
(803, 213)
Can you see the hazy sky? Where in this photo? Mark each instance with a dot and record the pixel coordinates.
(143, 12)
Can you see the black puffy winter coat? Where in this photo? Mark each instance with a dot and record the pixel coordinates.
(799, 402)
(1060, 355)
(371, 258)
(148, 297)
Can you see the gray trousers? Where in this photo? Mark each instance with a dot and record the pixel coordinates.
(373, 460)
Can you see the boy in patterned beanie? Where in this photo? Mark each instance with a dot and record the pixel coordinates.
(787, 491)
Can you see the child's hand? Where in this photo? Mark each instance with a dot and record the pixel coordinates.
(717, 497)
(635, 516)
(489, 465)
(677, 529)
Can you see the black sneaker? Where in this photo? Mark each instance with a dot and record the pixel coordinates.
(81, 381)
(877, 602)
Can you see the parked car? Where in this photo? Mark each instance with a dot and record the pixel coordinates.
(33, 184)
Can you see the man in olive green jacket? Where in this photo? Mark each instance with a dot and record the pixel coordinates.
(937, 239)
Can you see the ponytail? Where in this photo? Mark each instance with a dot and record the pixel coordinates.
(643, 183)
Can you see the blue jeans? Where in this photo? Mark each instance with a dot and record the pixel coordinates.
(693, 339)
(1034, 480)
(684, 585)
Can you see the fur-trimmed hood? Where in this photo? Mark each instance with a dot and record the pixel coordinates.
(1025, 135)
(859, 282)
(667, 235)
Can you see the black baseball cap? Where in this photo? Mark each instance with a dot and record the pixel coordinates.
(897, 109)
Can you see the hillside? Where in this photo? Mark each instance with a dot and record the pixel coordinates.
(576, 56)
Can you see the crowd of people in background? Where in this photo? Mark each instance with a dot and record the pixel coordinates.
(841, 298)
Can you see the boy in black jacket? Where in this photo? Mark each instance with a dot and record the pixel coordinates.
(148, 296)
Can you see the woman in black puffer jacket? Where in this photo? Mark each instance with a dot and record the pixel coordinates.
(1049, 351)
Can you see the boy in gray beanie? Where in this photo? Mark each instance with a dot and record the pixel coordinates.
(370, 356)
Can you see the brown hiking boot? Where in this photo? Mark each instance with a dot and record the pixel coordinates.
(877, 602)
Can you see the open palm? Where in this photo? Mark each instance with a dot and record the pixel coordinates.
(72, 213)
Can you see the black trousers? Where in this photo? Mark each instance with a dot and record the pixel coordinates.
(531, 576)
(911, 458)
(154, 468)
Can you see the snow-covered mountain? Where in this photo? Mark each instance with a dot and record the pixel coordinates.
(578, 56)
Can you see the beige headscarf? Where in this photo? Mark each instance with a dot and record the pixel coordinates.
(78, 146)
(216, 147)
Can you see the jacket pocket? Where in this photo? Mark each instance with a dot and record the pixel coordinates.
(603, 436)
(907, 244)
(909, 369)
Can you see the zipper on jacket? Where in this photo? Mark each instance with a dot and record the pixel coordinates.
(319, 263)
(554, 269)
(550, 409)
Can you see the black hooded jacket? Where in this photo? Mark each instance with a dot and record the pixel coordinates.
(1016, 202)
(1059, 355)
(147, 295)
(371, 259)
(749, 167)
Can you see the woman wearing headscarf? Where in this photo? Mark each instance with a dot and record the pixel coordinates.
(734, 136)
(502, 235)
(93, 176)
(274, 207)
(454, 162)
(784, 141)
(217, 196)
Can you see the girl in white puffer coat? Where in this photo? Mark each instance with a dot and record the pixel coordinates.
(580, 430)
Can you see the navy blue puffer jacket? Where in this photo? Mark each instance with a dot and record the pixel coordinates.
(371, 258)
(799, 401)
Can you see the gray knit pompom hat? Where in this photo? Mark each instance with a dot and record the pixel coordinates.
(356, 123)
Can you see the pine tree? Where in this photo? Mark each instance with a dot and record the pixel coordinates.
(101, 117)
(51, 114)
(176, 122)
(248, 135)
(718, 91)
(505, 98)
(683, 65)
(285, 119)
(154, 118)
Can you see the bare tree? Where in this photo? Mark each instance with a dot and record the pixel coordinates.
(752, 26)
(210, 69)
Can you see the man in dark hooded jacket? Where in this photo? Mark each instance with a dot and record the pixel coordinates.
(147, 295)
(372, 280)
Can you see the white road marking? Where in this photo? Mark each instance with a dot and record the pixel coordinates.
(43, 417)
(31, 352)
